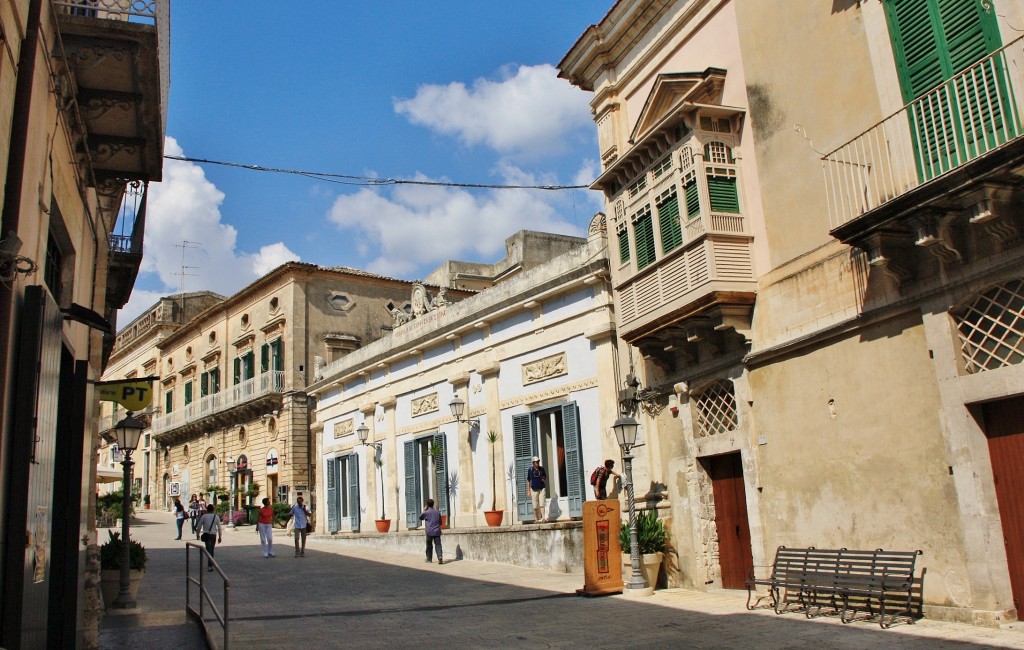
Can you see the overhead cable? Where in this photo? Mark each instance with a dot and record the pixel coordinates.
(345, 179)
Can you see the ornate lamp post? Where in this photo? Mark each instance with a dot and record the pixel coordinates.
(128, 431)
(625, 433)
(363, 432)
(231, 488)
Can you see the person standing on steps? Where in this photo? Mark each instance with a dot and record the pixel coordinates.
(209, 523)
(432, 526)
(536, 483)
(301, 515)
(265, 528)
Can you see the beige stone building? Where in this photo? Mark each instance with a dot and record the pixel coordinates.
(531, 357)
(816, 215)
(83, 102)
(231, 379)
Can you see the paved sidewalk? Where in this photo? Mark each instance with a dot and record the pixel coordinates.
(338, 597)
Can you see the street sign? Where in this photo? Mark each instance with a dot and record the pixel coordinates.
(133, 394)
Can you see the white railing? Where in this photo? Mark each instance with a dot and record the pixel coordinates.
(110, 9)
(264, 384)
(966, 117)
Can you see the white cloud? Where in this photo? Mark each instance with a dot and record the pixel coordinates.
(416, 226)
(528, 113)
(185, 234)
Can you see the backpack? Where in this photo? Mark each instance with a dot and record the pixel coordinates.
(594, 475)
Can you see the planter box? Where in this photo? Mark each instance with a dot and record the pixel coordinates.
(110, 584)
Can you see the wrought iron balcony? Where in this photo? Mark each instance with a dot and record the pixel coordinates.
(971, 124)
(266, 384)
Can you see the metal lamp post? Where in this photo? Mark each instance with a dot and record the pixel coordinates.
(625, 433)
(128, 432)
(363, 432)
(231, 496)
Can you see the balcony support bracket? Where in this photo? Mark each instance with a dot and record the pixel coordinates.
(933, 228)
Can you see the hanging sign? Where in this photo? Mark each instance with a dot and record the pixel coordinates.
(133, 394)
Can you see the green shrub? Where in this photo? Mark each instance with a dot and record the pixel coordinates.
(110, 553)
(221, 508)
(281, 512)
(650, 533)
(111, 504)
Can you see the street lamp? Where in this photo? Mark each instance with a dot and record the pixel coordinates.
(625, 433)
(128, 431)
(231, 488)
(458, 407)
(363, 432)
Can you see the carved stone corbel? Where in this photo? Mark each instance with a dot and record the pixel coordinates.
(933, 231)
(887, 252)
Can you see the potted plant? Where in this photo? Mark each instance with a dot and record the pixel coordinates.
(493, 516)
(146, 501)
(651, 539)
(281, 512)
(110, 567)
(383, 524)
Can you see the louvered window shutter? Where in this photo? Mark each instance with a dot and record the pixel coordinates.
(353, 491)
(332, 495)
(668, 221)
(573, 458)
(440, 472)
(412, 487)
(522, 441)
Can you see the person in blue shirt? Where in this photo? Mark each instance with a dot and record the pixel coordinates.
(301, 515)
(536, 484)
(432, 526)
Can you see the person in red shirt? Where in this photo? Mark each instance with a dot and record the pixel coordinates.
(265, 528)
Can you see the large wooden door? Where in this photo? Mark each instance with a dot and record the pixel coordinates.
(734, 554)
(1004, 426)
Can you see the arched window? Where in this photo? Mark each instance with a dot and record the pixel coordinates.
(211, 471)
(991, 328)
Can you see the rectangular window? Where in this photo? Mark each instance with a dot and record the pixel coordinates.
(188, 393)
(204, 384)
(662, 167)
(425, 476)
(643, 235)
(168, 401)
(214, 374)
(554, 436)
(668, 220)
(53, 274)
(723, 195)
(623, 246)
(639, 185)
(277, 355)
(245, 367)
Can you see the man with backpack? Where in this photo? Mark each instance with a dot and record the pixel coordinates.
(599, 479)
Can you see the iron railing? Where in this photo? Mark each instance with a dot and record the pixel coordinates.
(264, 384)
(110, 9)
(221, 615)
(966, 117)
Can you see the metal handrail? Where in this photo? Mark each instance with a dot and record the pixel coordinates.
(204, 595)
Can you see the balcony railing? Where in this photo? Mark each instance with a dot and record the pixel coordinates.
(265, 384)
(968, 116)
(133, 10)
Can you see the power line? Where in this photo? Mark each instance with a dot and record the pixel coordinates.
(344, 179)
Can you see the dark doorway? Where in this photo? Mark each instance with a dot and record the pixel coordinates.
(734, 553)
(1004, 427)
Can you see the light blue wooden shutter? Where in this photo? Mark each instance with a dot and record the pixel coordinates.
(353, 491)
(522, 443)
(573, 458)
(412, 487)
(440, 472)
(332, 495)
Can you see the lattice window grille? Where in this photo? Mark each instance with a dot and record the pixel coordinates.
(716, 409)
(991, 328)
(718, 153)
(686, 158)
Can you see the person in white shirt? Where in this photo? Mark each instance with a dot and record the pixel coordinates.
(208, 525)
(301, 515)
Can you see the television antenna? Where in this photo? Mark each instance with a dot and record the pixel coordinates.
(184, 246)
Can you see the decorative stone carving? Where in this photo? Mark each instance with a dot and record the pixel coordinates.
(425, 404)
(421, 303)
(344, 428)
(553, 366)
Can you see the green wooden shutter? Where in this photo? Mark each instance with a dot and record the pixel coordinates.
(412, 487)
(668, 221)
(692, 196)
(188, 393)
(353, 491)
(168, 401)
(215, 381)
(238, 371)
(204, 384)
(248, 365)
(723, 194)
(264, 358)
(277, 355)
(573, 458)
(523, 449)
(623, 247)
(440, 474)
(643, 235)
(331, 489)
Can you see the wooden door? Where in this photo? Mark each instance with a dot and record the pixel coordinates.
(1004, 426)
(734, 553)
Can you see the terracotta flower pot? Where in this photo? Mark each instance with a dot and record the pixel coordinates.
(110, 584)
(494, 517)
(383, 525)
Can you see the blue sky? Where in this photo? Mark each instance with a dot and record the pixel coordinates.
(460, 91)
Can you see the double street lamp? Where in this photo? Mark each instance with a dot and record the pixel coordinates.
(128, 431)
(625, 433)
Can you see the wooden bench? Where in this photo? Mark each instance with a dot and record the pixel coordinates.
(842, 579)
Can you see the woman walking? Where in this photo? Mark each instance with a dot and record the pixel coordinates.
(265, 527)
(209, 523)
(179, 515)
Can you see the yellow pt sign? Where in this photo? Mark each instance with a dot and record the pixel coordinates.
(133, 394)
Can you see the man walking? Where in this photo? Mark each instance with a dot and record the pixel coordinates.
(210, 533)
(536, 483)
(432, 526)
(301, 516)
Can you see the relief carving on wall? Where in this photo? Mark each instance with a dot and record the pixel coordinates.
(425, 404)
(421, 302)
(553, 366)
(343, 428)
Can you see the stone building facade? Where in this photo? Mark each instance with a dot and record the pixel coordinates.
(820, 288)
